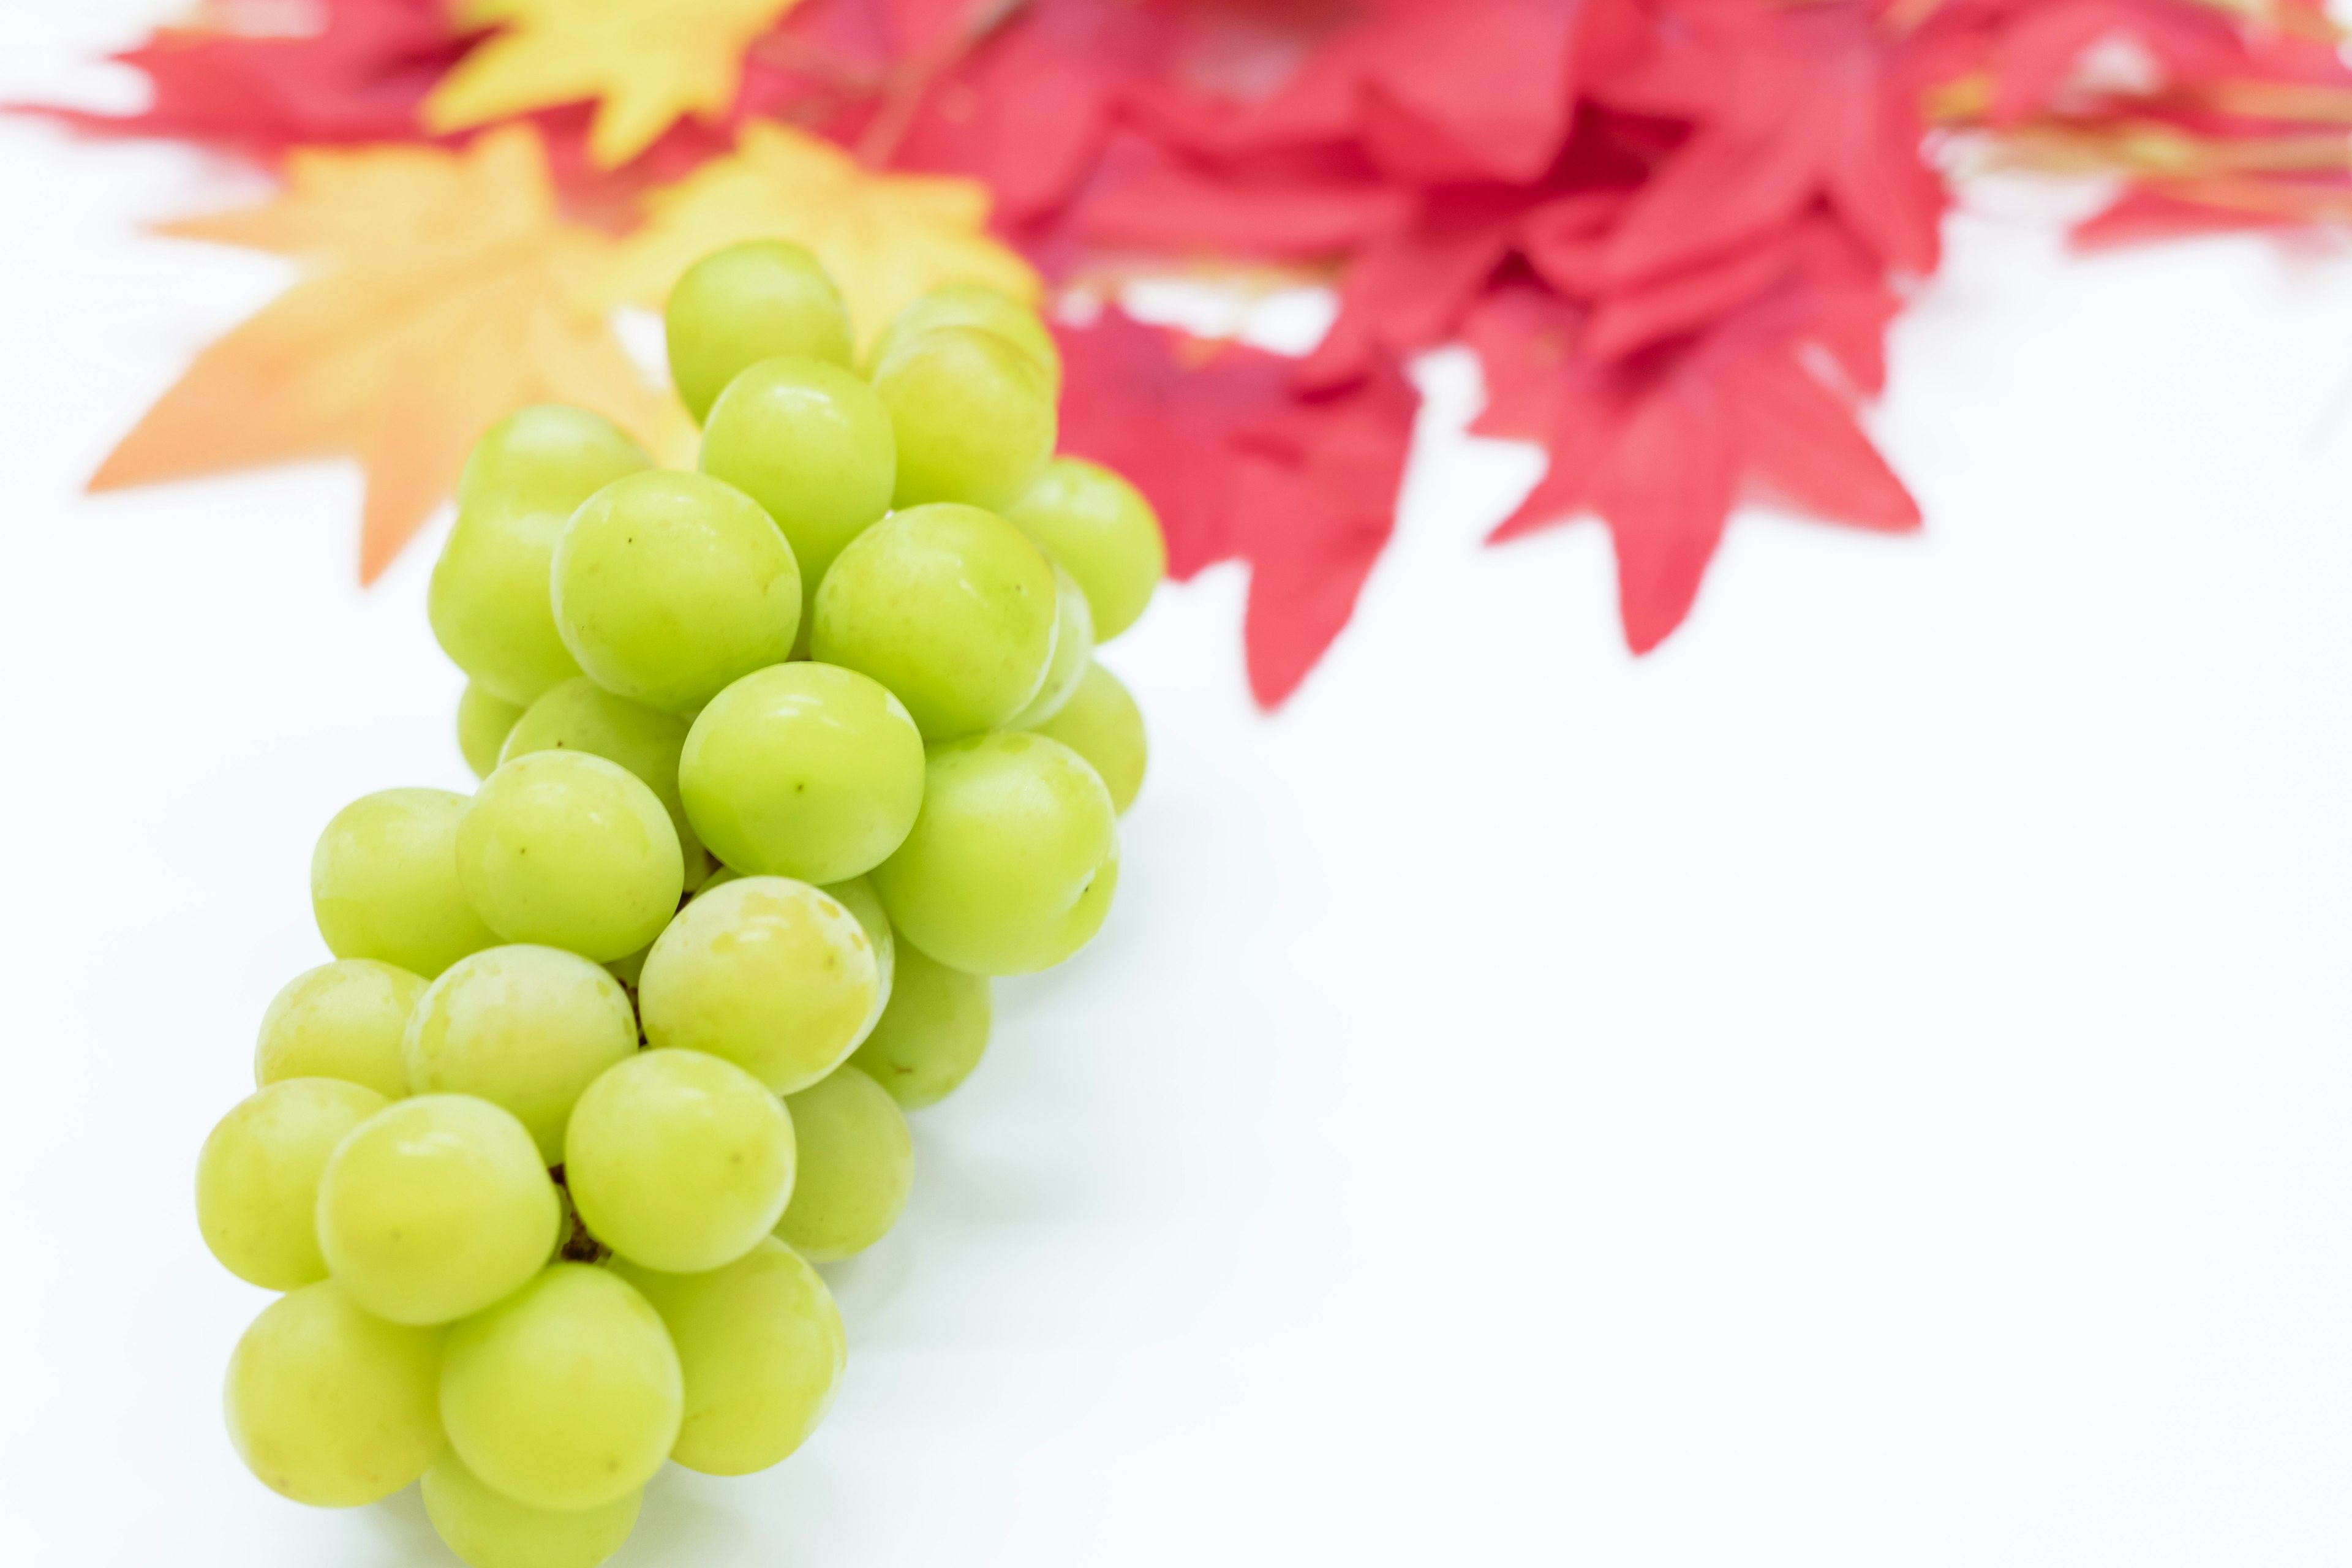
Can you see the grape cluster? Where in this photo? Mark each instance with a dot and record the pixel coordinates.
(781, 760)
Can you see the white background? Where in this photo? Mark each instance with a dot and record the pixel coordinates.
(1869, 1085)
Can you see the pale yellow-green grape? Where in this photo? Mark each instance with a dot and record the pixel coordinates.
(580, 716)
(774, 975)
(811, 444)
(489, 602)
(804, 770)
(747, 303)
(950, 607)
(344, 1019)
(483, 722)
(718, 878)
(434, 1207)
(527, 1028)
(669, 585)
(383, 882)
(857, 1165)
(760, 1344)
(973, 305)
(569, 850)
(330, 1405)
(1099, 527)
(630, 967)
(679, 1160)
(1102, 724)
(258, 1177)
(973, 413)
(1074, 648)
(487, 1529)
(565, 1395)
(858, 896)
(931, 1035)
(1013, 861)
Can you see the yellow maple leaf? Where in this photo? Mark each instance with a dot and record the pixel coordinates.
(886, 239)
(644, 62)
(445, 292)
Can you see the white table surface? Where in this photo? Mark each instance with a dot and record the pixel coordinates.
(1869, 1085)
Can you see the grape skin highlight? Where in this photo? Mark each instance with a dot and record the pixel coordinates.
(487, 1529)
(857, 1166)
(679, 1160)
(566, 1394)
(383, 882)
(343, 1020)
(258, 1177)
(569, 850)
(330, 1406)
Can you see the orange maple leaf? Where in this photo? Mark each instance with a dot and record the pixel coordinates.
(445, 292)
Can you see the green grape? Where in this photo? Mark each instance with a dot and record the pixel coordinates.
(1101, 723)
(718, 878)
(569, 850)
(434, 1207)
(483, 722)
(811, 443)
(344, 1020)
(1013, 861)
(1073, 647)
(258, 1177)
(527, 1028)
(952, 608)
(804, 770)
(489, 602)
(931, 1035)
(858, 896)
(329, 1405)
(565, 1395)
(747, 303)
(760, 1344)
(973, 305)
(973, 415)
(857, 1165)
(487, 1529)
(1099, 527)
(629, 968)
(669, 585)
(580, 716)
(679, 1160)
(773, 975)
(383, 882)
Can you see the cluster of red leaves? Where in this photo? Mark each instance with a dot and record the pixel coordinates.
(1673, 231)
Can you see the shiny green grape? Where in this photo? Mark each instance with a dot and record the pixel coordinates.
(383, 882)
(858, 896)
(857, 1165)
(566, 1394)
(580, 716)
(527, 1028)
(811, 444)
(489, 602)
(1099, 527)
(483, 722)
(258, 1177)
(487, 1529)
(973, 413)
(1101, 723)
(679, 1160)
(344, 1019)
(569, 850)
(773, 975)
(950, 607)
(973, 305)
(669, 585)
(747, 303)
(804, 770)
(329, 1405)
(931, 1035)
(434, 1207)
(761, 1347)
(1073, 647)
(1013, 861)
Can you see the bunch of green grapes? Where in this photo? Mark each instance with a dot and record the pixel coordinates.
(780, 760)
